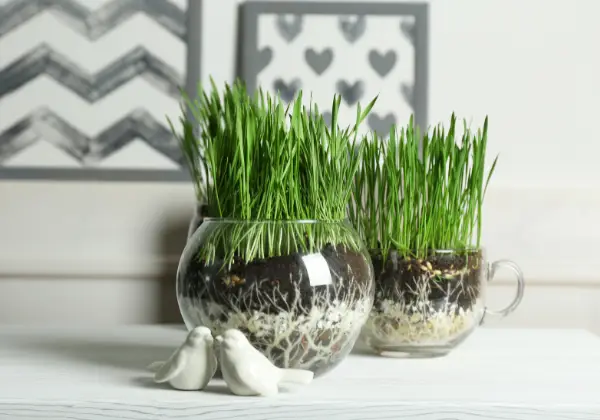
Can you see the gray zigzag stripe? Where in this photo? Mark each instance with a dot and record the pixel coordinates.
(42, 60)
(46, 125)
(94, 24)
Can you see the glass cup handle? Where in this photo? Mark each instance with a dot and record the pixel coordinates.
(520, 286)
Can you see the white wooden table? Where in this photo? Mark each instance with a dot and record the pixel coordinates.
(70, 373)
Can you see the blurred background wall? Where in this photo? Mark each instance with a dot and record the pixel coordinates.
(106, 252)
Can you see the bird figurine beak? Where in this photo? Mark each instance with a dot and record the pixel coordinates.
(219, 338)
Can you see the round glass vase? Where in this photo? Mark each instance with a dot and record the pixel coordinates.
(299, 290)
(425, 307)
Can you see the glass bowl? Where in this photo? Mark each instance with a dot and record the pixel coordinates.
(299, 290)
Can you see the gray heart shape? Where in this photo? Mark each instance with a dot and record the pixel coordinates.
(382, 63)
(381, 125)
(352, 27)
(289, 26)
(408, 93)
(319, 62)
(327, 118)
(263, 58)
(287, 91)
(407, 26)
(351, 93)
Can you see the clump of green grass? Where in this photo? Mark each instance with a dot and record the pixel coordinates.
(254, 159)
(415, 201)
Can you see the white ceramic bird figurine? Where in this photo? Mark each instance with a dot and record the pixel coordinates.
(192, 365)
(248, 372)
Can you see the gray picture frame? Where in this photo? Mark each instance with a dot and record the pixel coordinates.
(249, 60)
(192, 34)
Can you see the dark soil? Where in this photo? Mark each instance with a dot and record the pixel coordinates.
(273, 285)
(452, 277)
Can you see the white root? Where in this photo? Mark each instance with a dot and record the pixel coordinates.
(309, 338)
(421, 321)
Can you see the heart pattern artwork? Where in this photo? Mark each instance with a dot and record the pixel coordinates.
(382, 63)
(289, 26)
(407, 26)
(381, 125)
(351, 93)
(264, 58)
(408, 93)
(319, 62)
(352, 27)
(327, 117)
(351, 55)
(287, 91)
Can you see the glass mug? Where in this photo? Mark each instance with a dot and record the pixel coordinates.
(426, 305)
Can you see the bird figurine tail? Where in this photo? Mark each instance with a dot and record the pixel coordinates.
(154, 366)
(297, 376)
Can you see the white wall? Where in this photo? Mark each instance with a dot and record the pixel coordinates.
(531, 65)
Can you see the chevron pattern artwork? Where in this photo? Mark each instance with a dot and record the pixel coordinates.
(88, 84)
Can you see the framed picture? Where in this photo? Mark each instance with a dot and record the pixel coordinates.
(86, 87)
(357, 50)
